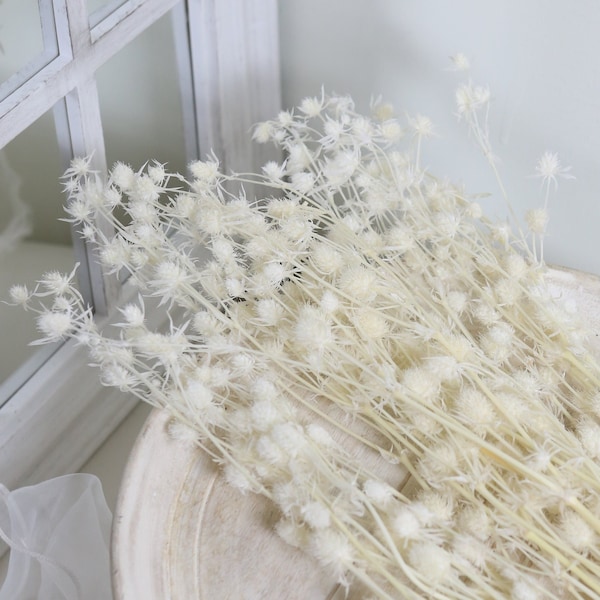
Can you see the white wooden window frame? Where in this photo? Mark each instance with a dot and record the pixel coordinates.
(229, 69)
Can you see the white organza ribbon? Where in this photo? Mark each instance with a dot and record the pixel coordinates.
(58, 532)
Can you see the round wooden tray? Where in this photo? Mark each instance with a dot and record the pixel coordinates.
(181, 532)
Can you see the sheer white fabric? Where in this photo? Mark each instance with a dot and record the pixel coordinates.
(59, 534)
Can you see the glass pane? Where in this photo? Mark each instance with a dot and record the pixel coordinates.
(32, 239)
(22, 45)
(140, 101)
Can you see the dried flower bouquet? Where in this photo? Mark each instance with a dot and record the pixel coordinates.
(363, 347)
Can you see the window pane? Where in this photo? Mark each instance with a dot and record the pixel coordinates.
(140, 101)
(25, 46)
(32, 239)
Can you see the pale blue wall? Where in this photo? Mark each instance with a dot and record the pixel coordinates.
(541, 59)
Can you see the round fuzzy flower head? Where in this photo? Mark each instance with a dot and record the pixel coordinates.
(122, 176)
(56, 283)
(470, 98)
(54, 325)
(537, 220)
(460, 62)
(312, 106)
(333, 551)
(20, 295)
(80, 167)
(549, 168)
(205, 171)
(422, 126)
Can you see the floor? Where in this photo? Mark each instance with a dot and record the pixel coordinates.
(109, 461)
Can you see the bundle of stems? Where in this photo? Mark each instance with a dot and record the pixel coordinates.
(363, 347)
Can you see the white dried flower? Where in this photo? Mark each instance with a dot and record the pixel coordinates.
(237, 478)
(313, 329)
(391, 130)
(421, 383)
(500, 233)
(265, 413)
(588, 432)
(290, 437)
(205, 171)
(169, 278)
(274, 171)
(206, 324)
(264, 389)
(320, 435)
(20, 295)
(537, 220)
(80, 167)
(79, 210)
(340, 168)
(303, 182)
(316, 515)
(157, 173)
(333, 132)
(471, 549)
(115, 375)
(576, 532)
(406, 525)
(440, 508)
(470, 99)
(329, 303)
(379, 492)
(333, 551)
(292, 533)
(57, 283)
(312, 106)
(523, 590)
(370, 324)
(269, 311)
(432, 562)
(54, 325)
(358, 283)
(270, 452)
(326, 259)
(134, 315)
(475, 410)
(182, 433)
(122, 175)
(474, 210)
(263, 132)
(460, 62)
(475, 521)
(382, 110)
(422, 126)
(116, 254)
(549, 168)
(299, 158)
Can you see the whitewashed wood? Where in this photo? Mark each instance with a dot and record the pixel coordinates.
(234, 48)
(180, 532)
(62, 75)
(110, 13)
(582, 290)
(61, 415)
(183, 55)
